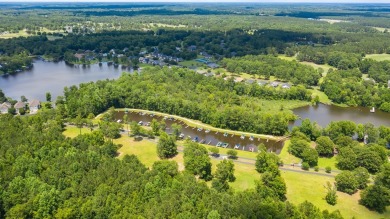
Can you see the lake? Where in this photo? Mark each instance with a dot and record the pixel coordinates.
(53, 77)
(324, 114)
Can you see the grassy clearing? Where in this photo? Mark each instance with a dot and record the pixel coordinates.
(288, 58)
(286, 157)
(21, 33)
(327, 162)
(145, 150)
(72, 132)
(323, 97)
(303, 186)
(379, 57)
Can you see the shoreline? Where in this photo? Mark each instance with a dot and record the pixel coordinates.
(195, 123)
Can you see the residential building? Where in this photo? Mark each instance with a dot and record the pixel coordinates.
(34, 106)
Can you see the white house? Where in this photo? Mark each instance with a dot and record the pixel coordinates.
(34, 106)
(4, 107)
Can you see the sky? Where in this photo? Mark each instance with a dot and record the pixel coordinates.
(293, 1)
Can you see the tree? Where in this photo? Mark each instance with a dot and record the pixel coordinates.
(309, 210)
(79, 122)
(346, 159)
(197, 160)
(168, 167)
(155, 127)
(232, 154)
(376, 197)
(346, 182)
(166, 146)
(135, 128)
(48, 96)
(267, 162)
(362, 177)
(297, 146)
(305, 166)
(224, 174)
(331, 195)
(324, 146)
(176, 130)
(213, 215)
(2, 97)
(275, 183)
(23, 98)
(310, 156)
(214, 151)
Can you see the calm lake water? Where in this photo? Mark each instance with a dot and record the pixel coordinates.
(324, 114)
(53, 77)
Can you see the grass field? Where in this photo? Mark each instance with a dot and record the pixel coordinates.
(72, 132)
(325, 67)
(12, 35)
(303, 186)
(286, 157)
(323, 97)
(379, 57)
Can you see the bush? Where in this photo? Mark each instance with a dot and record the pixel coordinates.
(305, 166)
(214, 151)
(316, 168)
(328, 169)
(232, 154)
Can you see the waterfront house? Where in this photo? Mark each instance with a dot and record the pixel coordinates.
(212, 65)
(4, 107)
(274, 84)
(34, 106)
(286, 86)
(20, 105)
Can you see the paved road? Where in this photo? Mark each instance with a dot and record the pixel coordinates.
(251, 161)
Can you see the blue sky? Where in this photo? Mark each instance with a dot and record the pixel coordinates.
(312, 1)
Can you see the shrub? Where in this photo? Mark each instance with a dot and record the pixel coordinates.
(328, 169)
(305, 166)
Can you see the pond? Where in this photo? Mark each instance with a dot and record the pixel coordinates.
(210, 138)
(324, 114)
(53, 77)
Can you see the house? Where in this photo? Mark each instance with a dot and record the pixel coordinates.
(274, 84)
(212, 65)
(262, 83)
(19, 105)
(238, 80)
(79, 55)
(286, 86)
(388, 84)
(250, 81)
(192, 48)
(4, 107)
(209, 74)
(34, 106)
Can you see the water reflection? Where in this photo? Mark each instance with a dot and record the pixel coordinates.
(324, 114)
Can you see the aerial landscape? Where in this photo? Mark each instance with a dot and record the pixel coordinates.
(195, 109)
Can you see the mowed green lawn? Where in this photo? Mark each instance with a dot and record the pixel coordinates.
(71, 131)
(304, 186)
(379, 57)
